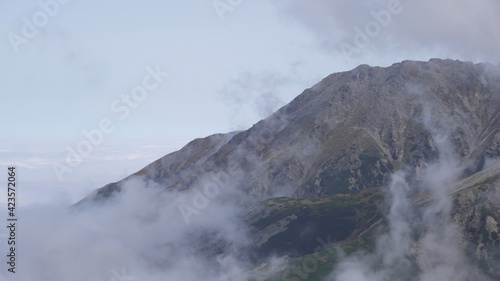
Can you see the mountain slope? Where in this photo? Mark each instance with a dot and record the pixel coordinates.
(350, 162)
(350, 131)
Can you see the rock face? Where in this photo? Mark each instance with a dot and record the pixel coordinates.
(476, 211)
(350, 132)
(320, 163)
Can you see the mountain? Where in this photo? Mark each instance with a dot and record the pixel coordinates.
(325, 166)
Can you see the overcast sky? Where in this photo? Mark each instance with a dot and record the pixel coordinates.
(69, 66)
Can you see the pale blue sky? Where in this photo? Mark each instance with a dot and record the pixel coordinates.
(223, 74)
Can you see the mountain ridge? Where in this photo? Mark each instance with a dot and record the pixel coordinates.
(365, 157)
(357, 131)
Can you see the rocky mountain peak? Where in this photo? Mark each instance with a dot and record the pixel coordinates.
(350, 131)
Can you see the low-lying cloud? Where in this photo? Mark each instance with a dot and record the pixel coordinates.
(423, 242)
(140, 232)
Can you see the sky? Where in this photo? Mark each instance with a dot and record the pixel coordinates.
(128, 82)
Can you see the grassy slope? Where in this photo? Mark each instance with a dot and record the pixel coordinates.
(363, 220)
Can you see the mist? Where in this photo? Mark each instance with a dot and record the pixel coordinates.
(139, 233)
(419, 27)
(423, 242)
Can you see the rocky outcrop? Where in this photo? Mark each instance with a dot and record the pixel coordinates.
(477, 211)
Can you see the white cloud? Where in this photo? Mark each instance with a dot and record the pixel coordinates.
(423, 29)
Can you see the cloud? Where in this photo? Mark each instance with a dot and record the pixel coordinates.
(449, 28)
(423, 242)
(253, 96)
(140, 231)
